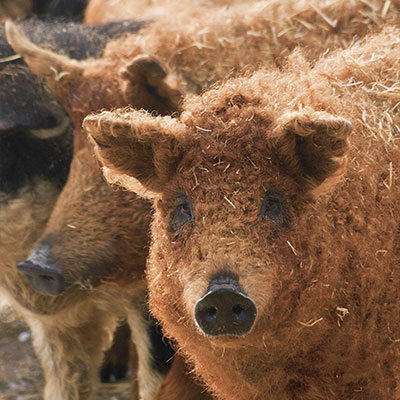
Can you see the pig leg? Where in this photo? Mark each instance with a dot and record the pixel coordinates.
(149, 377)
(133, 363)
(70, 347)
(116, 359)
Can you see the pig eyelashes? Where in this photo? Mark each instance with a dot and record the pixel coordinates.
(182, 214)
(273, 207)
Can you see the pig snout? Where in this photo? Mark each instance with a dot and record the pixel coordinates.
(45, 280)
(225, 309)
(42, 275)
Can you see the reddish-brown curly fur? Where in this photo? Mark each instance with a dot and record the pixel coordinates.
(203, 44)
(71, 331)
(195, 56)
(100, 11)
(326, 288)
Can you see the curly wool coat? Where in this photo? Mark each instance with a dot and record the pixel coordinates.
(287, 182)
(195, 58)
(203, 44)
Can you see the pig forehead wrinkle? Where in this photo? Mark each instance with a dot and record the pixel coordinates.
(233, 174)
(228, 149)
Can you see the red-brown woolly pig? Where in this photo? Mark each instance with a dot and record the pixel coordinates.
(84, 266)
(275, 240)
(195, 52)
(36, 147)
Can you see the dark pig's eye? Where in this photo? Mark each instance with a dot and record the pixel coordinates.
(182, 214)
(274, 208)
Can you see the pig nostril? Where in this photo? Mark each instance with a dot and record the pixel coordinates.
(225, 310)
(239, 312)
(47, 278)
(211, 313)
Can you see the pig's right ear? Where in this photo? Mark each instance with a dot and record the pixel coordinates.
(54, 67)
(147, 86)
(137, 145)
(314, 147)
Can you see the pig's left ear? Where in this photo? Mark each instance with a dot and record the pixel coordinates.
(314, 148)
(54, 67)
(147, 86)
(140, 150)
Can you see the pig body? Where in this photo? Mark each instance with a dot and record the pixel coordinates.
(79, 266)
(198, 57)
(274, 252)
(201, 45)
(36, 144)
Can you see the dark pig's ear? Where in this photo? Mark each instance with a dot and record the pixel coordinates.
(54, 67)
(314, 146)
(141, 151)
(147, 86)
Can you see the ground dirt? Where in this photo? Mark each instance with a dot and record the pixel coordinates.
(20, 374)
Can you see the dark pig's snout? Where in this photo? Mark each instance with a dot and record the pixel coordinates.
(225, 309)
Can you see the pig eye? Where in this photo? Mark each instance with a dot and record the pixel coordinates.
(274, 208)
(182, 214)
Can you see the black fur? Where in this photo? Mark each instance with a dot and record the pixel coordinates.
(69, 38)
(26, 104)
(23, 157)
(162, 350)
(24, 100)
(112, 373)
(59, 8)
